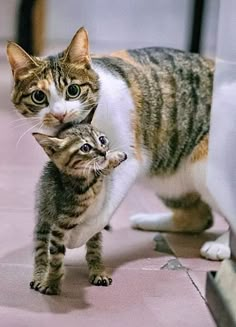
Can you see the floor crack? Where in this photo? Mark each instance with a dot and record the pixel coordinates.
(195, 285)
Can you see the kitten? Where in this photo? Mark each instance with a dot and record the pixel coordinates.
(70, 193)
(155, 103)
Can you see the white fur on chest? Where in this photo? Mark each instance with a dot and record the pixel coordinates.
(114, 111)
(88, 225)
(113, 117)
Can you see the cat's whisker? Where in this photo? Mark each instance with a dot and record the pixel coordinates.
(41, 126)
(28, 130)
(22, 124)
(23, 120)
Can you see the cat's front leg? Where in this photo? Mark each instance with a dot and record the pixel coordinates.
(97, 273)
(51, 284)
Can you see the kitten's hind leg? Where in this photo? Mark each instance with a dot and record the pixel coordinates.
(41, 252)
(189, 214)
(97, 274)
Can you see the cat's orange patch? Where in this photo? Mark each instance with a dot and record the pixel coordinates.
(122, 54)
(193, 219)
(43, 84)
(49, 120)
(201, 150)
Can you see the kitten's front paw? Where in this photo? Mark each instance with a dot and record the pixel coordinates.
(102, 279)
(44, 288)
(116, 158)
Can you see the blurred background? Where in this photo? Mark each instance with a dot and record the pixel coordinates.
(111, 24)
(47, 26)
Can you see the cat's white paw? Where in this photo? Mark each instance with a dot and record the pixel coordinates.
(215, 251)
(152, 222)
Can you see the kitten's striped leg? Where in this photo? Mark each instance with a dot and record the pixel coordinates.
(41, 255)
(97, 273)
(51, 285)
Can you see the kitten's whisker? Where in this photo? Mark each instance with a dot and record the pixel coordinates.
(99, 170)
(119, 148)
(28, 130)
(86, 167)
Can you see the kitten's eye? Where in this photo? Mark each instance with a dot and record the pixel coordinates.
(86, 148)
(73, 91)
(103, 140)
(38, 97)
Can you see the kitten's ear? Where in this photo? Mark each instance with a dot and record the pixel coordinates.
(78, 50)
(50, 144)
(19, 59)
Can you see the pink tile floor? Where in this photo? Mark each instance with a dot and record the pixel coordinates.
(145, 290)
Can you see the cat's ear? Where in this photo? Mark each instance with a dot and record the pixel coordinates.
(19, 59)
(78, 50)
(50, 144)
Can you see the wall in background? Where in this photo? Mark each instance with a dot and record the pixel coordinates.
(8, 18)
(120, 24)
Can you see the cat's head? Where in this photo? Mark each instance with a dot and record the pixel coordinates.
(55, 89)
(78, 149)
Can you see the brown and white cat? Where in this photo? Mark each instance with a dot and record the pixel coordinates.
(153, 103)
(71, 192)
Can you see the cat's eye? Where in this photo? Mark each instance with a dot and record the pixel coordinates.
(38, 97)
(73, 91)
(103, 140)
(86, 148)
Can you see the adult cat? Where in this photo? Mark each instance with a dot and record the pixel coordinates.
(152, 103)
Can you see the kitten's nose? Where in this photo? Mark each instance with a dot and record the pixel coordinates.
(102, 153)
(59, 117)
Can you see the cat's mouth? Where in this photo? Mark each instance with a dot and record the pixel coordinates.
(52, 125)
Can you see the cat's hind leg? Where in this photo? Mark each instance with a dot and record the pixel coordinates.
(97, 274)
(189, 214)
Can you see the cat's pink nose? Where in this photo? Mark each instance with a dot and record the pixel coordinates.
(59, 117)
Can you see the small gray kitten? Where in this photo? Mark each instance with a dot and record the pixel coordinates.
(71, 188)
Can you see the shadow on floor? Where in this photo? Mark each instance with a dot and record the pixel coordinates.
(136, 246)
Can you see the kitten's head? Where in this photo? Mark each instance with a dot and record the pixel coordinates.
(55, 89)
(78, 149)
